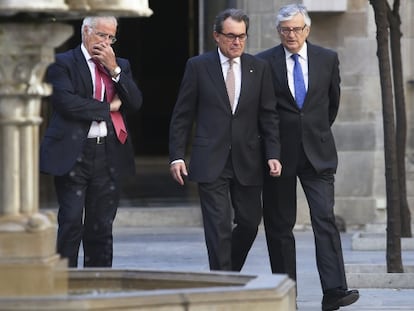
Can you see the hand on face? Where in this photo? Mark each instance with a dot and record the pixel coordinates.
(104, 53)
(98, 41)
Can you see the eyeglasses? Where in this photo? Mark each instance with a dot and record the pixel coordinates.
(296, 30)
(232, 37)
(105, 36)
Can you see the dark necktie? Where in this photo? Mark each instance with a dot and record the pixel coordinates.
(101, 75)
(300, 89)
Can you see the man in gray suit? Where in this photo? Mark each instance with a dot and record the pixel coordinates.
(307, 85)
(230, 128)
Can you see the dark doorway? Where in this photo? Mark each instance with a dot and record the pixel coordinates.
(158, 48)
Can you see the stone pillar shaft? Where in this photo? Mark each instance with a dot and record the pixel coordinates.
(29, 265)
(27, 238)
(25, 52)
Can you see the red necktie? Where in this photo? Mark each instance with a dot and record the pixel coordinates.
(101, 75)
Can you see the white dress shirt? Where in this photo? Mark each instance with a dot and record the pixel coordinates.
(290, 63)
(237, 75)
(97, 129)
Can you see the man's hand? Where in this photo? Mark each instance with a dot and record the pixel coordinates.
(104, 53)
(115, 104)
(275, 168)
(178, 170)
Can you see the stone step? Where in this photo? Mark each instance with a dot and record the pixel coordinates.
(376, 241)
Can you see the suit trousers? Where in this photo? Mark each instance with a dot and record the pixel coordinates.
(88, 198)
(231, 215)
(279, 216)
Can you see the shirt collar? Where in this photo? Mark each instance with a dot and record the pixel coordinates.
(85, 53)
(303, 52)
(224, 59)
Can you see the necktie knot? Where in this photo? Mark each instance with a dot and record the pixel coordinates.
(100, 68)
(295, 57)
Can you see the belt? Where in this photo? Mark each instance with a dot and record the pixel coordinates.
(97, 140)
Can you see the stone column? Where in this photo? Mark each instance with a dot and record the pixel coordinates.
(29, 34)
(29, 264)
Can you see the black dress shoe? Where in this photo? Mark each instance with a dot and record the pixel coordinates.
(333, 299)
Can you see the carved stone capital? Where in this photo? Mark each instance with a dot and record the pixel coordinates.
(111, 7)
(12, 7)
(25, 52)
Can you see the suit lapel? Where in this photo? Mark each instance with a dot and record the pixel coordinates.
(313, 68)
(247, 80)
(83, 70)
(213, 68)
(279, 69)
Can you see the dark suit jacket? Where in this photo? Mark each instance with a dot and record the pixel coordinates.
(74, 108)
(310, 126)
(203, 99)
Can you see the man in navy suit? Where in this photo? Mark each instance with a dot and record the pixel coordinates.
(308, 153)
(226, 153)
(86, 145)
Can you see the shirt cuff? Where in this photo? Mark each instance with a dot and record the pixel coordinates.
(177, 161)
(116, 79)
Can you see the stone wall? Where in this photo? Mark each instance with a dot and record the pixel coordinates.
(360, 181)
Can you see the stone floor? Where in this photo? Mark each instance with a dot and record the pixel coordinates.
(183, 249)
(163, 232)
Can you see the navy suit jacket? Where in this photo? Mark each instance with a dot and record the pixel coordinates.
(74, 108)
(203, 101)
(310, 126)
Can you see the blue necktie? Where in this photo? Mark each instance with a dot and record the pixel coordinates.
(300, 89)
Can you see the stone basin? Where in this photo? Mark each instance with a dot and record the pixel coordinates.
(111, 289)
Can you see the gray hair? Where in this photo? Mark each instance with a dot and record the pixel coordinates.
(92, 21)
(235, 14)
(287, 12)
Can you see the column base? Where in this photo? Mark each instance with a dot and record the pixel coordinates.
(29, 264)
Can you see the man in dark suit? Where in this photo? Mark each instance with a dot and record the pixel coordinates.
(308, 102)
(86, 145)
(226, 154)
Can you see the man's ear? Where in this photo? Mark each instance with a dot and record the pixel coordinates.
(215, 36)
